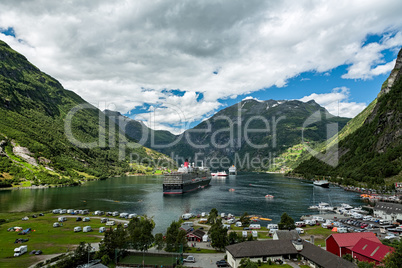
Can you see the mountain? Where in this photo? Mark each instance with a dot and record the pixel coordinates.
(370, 146)
(248, 134)
(50, 135)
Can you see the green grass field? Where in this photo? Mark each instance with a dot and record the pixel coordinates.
(43, 236)
(150, 260)
(319, 233)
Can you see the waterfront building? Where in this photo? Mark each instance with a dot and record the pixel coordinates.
(388, 211)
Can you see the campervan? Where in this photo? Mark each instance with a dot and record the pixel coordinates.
(272, 226)
(255, 226)
(367, 218)
(77, 229)
(186, 216)
(20, 250)
(115, 214)
(87, 229)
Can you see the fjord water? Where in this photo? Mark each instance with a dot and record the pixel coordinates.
(143, 195)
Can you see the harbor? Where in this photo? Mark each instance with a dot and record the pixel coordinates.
(236, 194)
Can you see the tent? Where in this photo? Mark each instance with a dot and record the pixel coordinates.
(335, 229)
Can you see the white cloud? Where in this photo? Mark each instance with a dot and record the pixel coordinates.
(110, 51)
(337, 102)
(368, 60)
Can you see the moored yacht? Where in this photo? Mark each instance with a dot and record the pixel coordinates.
(321, 183)
(322, 206)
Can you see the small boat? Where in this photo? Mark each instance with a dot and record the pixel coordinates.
(322, 206)
(219, 174)
(321, 183)
(231, 190)
(346, 206)
(268, 196)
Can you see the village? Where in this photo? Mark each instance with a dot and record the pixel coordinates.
(319, 240)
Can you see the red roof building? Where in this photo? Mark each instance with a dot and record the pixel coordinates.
(342, 243)
(196, 235)
(370, 251)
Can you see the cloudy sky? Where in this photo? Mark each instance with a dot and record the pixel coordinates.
(184, 60)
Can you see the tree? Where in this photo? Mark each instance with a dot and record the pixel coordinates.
(233, 238)
(175, 237)
(362, 264)
(394, 260)
(159, 242)
(80, 256)
(219, 235)
(140, 233)
(348, 257)
(247, 263)
(245, 219)
(213, 215)
(286, 223)
(113, 240)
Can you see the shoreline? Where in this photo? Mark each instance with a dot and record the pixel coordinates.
(34, 187)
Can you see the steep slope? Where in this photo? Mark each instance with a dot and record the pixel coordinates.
(371, 152)
(36, 132)
(248, 131)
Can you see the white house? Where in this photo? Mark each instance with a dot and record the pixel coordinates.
(388, 211)
(284, 249)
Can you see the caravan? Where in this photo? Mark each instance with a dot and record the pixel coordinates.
(255, 226)
(87, 229)
(272, 226)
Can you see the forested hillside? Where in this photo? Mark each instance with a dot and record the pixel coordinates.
(34, 145)
(370, 153)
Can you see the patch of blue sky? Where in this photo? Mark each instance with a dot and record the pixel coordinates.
(9, 31)
(176, 92)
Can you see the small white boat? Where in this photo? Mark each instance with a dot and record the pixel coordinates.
(219, 174)
(346, 206)
(322, 206)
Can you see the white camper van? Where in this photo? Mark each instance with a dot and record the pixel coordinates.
(20, 250)
(87, 229)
